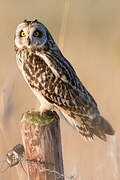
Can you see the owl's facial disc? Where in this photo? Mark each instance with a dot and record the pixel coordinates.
(30, 35)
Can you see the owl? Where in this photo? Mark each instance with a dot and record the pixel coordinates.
(55, 83)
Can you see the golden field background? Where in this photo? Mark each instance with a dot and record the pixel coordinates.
(92, 45)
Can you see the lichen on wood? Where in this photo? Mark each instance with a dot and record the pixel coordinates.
(34, 117)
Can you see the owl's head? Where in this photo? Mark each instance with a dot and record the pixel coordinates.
(30, 34)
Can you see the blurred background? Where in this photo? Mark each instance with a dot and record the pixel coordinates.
(92, 45)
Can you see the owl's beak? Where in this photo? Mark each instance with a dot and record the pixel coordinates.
(28, 41)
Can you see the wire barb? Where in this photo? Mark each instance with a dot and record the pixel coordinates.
(17, 154)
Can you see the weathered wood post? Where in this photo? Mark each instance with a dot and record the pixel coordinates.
(42, 141)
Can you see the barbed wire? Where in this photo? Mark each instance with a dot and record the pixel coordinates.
(17, 154)
(49, 170)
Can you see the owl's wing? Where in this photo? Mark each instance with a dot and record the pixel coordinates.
(70, 83)
(67, 92)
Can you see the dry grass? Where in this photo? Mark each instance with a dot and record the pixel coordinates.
(64, 25)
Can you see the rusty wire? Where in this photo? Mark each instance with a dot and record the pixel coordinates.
(17, 154)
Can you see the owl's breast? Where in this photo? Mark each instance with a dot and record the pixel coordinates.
(44, 81)
(37, 73)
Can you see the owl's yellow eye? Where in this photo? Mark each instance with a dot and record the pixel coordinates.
(36, 34)
(22, 34)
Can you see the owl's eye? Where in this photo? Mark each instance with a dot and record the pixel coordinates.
(37, 33)
(22, 34)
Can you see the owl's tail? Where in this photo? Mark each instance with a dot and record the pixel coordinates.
(88, 128)
(98, 126)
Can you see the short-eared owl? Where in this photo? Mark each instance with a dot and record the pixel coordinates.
(55, 83)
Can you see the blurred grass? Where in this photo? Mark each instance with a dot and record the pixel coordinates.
(64, 25)
(92, 45)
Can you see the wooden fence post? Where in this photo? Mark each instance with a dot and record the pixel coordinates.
(42, 141)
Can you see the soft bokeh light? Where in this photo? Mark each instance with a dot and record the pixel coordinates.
(92, 45)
